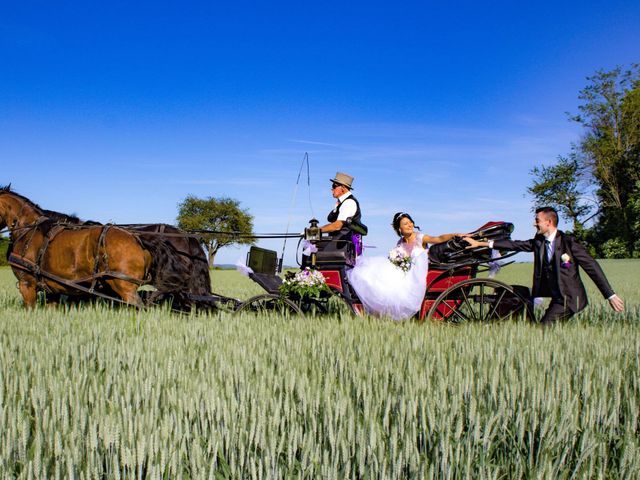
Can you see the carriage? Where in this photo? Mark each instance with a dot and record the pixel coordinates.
(144, 265)
(457, 289)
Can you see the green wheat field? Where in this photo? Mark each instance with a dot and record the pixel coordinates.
(98, 392)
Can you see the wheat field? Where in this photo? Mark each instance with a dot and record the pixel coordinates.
(101, 392)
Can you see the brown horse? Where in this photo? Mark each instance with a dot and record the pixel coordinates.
(55, 257)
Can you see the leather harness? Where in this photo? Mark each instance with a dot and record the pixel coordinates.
(26, 266)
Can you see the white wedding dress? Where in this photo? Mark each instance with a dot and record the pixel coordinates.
(386, 290)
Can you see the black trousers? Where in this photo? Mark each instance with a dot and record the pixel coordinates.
(557, 311)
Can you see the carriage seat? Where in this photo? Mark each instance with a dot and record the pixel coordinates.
(455, 252)
(269, 282)
(264, 264)
(337, 250)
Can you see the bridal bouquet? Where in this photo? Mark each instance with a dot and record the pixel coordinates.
(400, 259)
(305, 283)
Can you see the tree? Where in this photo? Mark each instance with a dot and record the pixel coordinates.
(231, 224)
(561, 186)
(610, 150)
(4, 246)
(607, 159)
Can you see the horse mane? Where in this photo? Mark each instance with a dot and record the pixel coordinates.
(51, 214)
(65, 218)
(7, 189)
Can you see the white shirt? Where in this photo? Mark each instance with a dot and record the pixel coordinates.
(551, 237)
(348, 207)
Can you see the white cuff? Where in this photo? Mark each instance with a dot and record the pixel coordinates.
(490, 242)
(612, 296)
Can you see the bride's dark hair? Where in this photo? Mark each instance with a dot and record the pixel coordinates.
(397, 218)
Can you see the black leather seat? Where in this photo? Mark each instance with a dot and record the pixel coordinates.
(455, 251)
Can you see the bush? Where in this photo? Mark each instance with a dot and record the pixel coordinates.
(4, 246)
(615, 248)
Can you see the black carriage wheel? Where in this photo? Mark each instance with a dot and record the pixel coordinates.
(270, 303)
(334, 303)
(478, 300)
(229, 305)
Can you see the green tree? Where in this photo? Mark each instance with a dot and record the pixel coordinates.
(562, 187)
(4, 246)
(610, 114)
(635, 211)
(606, 163)
(232, 224)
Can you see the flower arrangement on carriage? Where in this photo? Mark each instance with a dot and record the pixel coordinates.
(307, 284)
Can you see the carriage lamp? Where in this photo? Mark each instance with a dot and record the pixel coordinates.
(312, 232)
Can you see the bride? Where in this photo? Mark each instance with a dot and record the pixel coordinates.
(395, 286)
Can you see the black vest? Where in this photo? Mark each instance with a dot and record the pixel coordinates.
(549, 286)
(333, 216)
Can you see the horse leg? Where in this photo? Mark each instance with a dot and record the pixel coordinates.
(28, 290)
(125, 255)
(127, 291)
(52, 300)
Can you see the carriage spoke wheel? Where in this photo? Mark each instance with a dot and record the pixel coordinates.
(228, 305)
(478, 300)
(270, 304)
(334, 304)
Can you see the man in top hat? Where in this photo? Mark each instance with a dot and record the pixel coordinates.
(346, 206)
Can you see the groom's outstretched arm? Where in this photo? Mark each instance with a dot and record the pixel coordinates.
(515, 245)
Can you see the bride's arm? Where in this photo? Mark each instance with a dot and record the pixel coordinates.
(426, 239)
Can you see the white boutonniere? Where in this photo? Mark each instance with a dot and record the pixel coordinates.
(566, 260)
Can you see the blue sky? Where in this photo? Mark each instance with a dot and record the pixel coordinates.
(116, 111)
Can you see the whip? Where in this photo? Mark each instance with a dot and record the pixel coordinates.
(305, 160)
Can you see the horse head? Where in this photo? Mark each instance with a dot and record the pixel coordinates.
(3, 222)
(16, 209)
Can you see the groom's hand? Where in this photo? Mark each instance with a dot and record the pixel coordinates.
(616, 303)
(471, 242)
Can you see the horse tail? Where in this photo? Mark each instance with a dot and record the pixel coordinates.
(169, 274)
(189, 249)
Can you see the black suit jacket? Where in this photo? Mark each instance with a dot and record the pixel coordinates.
(571, 287)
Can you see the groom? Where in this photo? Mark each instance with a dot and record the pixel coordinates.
(557, 256)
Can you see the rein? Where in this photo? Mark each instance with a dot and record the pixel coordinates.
(27, 266)
(188, 233)
(34, 267)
